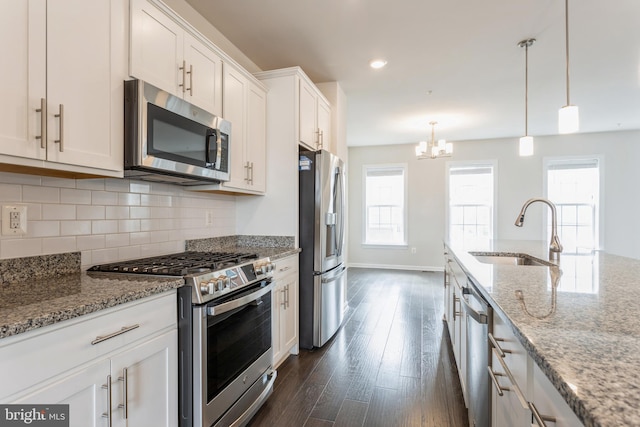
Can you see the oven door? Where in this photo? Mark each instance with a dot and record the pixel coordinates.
(232, 356)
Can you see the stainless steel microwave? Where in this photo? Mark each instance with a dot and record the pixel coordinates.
(170, 140)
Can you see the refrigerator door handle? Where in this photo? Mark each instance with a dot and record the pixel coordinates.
(340, 185)
(335, 277)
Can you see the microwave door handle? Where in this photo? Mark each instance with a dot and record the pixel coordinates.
(218, 149)
(208, 148)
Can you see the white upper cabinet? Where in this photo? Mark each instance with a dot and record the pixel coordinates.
(245, 106)
(167, 55)
(314, 120)
(63, 93)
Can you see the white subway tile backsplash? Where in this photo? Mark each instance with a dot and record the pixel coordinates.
(117, 240)
(90, 242)
(128, 225)
(110, 219)
(104, 198)
(104, 227)
(16, 248)
(56, 245)
(91, 212)
(116, 212)
(10, 193)
(43, 228)
(55, 211)
(128, 199)
(75, 228)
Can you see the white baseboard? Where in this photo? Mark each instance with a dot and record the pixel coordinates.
(397, 267)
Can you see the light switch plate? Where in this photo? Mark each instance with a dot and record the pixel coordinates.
(14, 220)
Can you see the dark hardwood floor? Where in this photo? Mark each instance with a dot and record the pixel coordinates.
(390, 364)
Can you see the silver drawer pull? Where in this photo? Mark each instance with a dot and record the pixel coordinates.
(494, 343)
(285, 268)
(499, 389)
(540, 419)
(125, 393)
(124, 329)
(60, 141)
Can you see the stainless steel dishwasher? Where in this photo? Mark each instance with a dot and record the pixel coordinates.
(479, 321)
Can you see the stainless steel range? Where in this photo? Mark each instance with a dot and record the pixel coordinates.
(224, 332)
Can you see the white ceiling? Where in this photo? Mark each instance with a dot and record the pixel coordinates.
(453, 61)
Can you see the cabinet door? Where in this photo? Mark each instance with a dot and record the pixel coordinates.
(157, 44)
(149, 371)
(81, 390)
(324, 125)
(23, 83)
(549, 403)
(82, 75)
(289, 320)
(234, 89)
(203, 76)
(307, 129)
(256, 147)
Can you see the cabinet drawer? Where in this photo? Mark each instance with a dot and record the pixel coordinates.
(40, 354)
(286, 266)
(515, 356)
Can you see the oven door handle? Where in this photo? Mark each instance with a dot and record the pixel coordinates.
(236, 303)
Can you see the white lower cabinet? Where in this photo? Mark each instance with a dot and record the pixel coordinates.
(130, 377)
(548, 403)
(285, 309)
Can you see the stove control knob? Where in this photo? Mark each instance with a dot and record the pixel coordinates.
(270, 267)
(227, 282)
(208, 288)
(220, 283)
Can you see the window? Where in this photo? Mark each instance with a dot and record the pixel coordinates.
(385, 202)
(471, 201)
(574, 186)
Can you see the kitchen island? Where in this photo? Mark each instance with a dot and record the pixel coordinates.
(579, 323)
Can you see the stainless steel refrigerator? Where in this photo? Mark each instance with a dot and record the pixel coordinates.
(322, 239)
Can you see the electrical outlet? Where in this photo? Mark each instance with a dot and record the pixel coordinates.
(413, 250)
(14, 220)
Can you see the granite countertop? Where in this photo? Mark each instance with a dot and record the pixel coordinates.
(43, 290)
(579, 323)
(30, 305)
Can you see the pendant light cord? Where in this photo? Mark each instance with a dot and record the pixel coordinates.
(566, 26)
(526, 89)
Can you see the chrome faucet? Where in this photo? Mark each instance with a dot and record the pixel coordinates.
(554, 246)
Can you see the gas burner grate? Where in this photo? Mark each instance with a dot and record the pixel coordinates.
(179, 264)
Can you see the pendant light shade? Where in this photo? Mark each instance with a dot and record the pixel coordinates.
(526, 142)
(568, 117)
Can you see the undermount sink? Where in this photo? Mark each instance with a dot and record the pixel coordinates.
(508, 258)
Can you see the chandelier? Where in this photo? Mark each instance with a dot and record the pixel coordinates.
(433, 150)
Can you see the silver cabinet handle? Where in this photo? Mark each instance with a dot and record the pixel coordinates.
(516, 388)
(455, 312)
(284, 269)
(124, 329)
(494, 343)
(190, 72)
(125, 393)
(499, 389)
(61, 140)
(108, 414)
(540, 419)
(287, 298)
(43, 123)
(184, 75)
(284, 297)
(246, 172)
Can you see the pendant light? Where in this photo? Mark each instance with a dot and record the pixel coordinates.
(568, 117)
(526, 142)
(433, 150)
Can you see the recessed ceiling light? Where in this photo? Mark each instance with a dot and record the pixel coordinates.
(378, 63)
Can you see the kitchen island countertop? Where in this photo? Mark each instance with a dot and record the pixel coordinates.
(584, 334)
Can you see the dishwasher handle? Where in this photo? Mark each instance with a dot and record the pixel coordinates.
(479, 316)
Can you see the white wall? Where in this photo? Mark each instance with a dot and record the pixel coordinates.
(518, 179)
(109, 219)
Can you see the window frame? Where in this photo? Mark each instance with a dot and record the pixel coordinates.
(581, 159)
(405, 214)
(491, 163)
